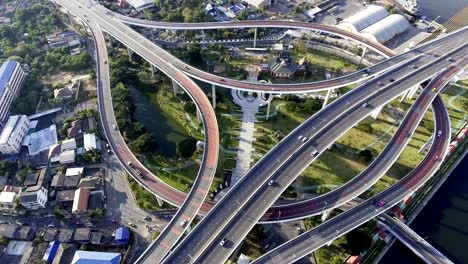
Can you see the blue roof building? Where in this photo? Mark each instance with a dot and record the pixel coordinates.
(12, 76)
(122, 235)
(51, 251)
(95, 257)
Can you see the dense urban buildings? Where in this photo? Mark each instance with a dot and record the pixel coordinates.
(13, 133)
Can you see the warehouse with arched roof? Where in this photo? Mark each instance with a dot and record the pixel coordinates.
(363, 19)
(385, 29)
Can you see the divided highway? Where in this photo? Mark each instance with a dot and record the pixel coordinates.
(413, 241)
(347, 221)
(345, 80)
(192, 202)
(284, 162)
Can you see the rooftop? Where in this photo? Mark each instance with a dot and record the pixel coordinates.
(95, 257)
(5, 73)
(10, 126)
(74, 171)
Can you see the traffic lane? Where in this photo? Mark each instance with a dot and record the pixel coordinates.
(200, 235)
(194, 185)
(352, 118)
(346, 221)
(394, 147)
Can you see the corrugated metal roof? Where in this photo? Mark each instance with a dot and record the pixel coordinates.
(363, 19)
(386, 29)
(95, 257)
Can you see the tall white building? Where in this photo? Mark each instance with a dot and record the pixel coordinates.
(13, 133)
(34, 200)
(12, 76)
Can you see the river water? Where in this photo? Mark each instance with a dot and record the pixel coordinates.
(443, 222)
(443, 8)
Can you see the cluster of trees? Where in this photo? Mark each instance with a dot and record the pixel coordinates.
(23, 172)
(144, 199)
(90, 157)
(60, 58)
(186, 147)
(300, 105)
(252, 245)
(7, 168)
(365, 155)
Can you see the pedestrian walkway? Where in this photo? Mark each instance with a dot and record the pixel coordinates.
(250, 105)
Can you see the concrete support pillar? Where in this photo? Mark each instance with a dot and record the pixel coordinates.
(427, 144)
(327, 97)
(307, 43)
(203, 37)
(175, 87)
(130, 53)
(412, 92)
(152, 34)
(269, 105)
(153, 69)
(213, 93)
(70, 17)
(199, 117)
(325, 215)
(404, 95)
(255, 38)
(376, 112)
(364, 52)
(160, 201)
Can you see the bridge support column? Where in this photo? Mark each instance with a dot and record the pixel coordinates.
(203, 37)
(404, 95)
(307, 43)
(152, 34)
(412, 92)
(376, 112)
(160, 201)
(130, 54)
(175, 87)
(327, 97)
(213, 94)
(364, 52)
(70, 17)
(325, 215)
(199, 117)
(153, 69)
(270, 98)
(427, 144)
(255, 38)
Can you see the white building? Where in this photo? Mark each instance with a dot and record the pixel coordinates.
(12, 76)
(69, 144)
(90, 142)
(74, 171)
(385, 29)
(139, 5)
(34, 200)
(13, 133)
(7, 199)
(363, 19)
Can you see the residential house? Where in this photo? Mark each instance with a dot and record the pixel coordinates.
(122, 235)
(69, 144)
(82, 235)
(67, 157)
(7, 200)
(65, 196)
(58, 181)
(75, 129)
(283, 67)
(80, 201)
(62, 94)
(90, 142)
(34, 200)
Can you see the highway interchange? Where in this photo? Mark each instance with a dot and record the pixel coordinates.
(128, 37)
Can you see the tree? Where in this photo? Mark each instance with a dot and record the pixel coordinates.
(365, 155)
(190, 107)
(143, 143)
(357, 241)
(186, 147)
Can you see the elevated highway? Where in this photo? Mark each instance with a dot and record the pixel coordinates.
(191, 203)
(251, 196)
(352, 78)
(346, 221)
(413, 241)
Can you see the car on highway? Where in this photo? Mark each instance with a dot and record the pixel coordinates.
(314, 153)
(436, 157)
(114, 221)
(105, 61)
(187, 67)
(147, 218)
(271, 182)
(380, 203)
(365, 104)
(222, 80)
(223, 242)
(439, 133)
(114, 127)
(183, 223)
(51, 225)
(391, 80)
(379, 83)
(302, 138)
(139, 173)
(434, 89)
(131, 224)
